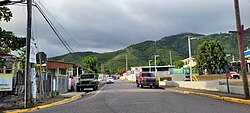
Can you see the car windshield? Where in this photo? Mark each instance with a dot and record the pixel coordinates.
(233, 72)
(148, 75)
(87, 76)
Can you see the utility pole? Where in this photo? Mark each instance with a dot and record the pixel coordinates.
(240, 37)
(27, 95)
(190, 58)
(126, 62)
(155, 64)
(102, 69)
(149, 65)
(170, 54)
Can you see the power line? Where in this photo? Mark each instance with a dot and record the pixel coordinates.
(59, 36)
(70, 36)
(54, 29)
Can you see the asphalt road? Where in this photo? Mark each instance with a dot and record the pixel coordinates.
(122, 97)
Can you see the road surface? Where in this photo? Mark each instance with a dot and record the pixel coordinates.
(122, 97)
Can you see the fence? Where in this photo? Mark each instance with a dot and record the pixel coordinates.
(62, 84)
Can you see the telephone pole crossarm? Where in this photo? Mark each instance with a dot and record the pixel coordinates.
(241, 32)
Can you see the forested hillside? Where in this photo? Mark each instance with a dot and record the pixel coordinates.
(139, 54)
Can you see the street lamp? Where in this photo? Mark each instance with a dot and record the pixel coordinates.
(149, 65)
(190, 56)
(155, 63)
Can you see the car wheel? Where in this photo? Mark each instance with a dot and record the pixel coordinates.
(238, 77)
(156, 87)
(235, 77)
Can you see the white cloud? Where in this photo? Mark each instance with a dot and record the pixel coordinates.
(108, 25)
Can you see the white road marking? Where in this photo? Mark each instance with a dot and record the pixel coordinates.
(98, 92)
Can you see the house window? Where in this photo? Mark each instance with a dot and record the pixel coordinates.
(63, 71)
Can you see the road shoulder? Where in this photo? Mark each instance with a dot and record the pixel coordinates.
(69, 97)
(210, 94)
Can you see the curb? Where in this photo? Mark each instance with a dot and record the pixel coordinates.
(47, 105)
(228, 99)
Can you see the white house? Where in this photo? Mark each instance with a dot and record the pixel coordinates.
(187, 62)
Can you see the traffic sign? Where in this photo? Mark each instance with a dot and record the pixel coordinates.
(247, 53)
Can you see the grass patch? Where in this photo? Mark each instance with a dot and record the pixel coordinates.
(238, 83)
(5, 75)
(211, 77)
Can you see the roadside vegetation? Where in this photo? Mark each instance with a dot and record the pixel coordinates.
(8, 41)
(238, 83)
(210, 57)
(211, 77)
(222, 76)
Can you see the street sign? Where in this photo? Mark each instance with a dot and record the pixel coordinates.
(32, 51)
(6, 82)
(45, 76)
(41, 58)
(247, 53)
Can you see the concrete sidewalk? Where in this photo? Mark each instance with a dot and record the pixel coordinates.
(236, 98)
(66, 98)
(71, 94)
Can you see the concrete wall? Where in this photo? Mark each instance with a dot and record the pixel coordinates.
(205, 85)
(178, 77)
(232, 89)
(131, 77)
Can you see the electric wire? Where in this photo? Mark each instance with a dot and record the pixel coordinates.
(59, 36)
(54, 25)
(57, 33)
(53, 28)
(70, 36)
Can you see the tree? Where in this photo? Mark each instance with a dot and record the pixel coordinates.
(8, 41)
(90, 64)
(179, 64)
(160, 62)
(211, 56)
(122, 71)
(5, 14)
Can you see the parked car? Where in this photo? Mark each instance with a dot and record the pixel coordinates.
(147, 79)
(109, 80)
(233, 75)
(87, 81)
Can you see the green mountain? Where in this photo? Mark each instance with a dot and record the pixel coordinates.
(139, 54)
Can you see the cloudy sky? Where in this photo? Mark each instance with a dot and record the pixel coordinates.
(109, 25)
